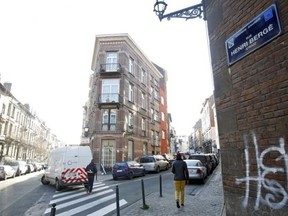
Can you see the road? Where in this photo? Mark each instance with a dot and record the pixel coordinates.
(25, 195)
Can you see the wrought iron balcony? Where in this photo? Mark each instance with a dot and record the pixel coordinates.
(109, 101)
(110, 68)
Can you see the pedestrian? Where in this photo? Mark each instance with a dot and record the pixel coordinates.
(181, 176)
(91, 170)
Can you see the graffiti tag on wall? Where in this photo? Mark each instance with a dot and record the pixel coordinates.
(276, 195)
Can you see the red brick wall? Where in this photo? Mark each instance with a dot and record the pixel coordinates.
(251, 99)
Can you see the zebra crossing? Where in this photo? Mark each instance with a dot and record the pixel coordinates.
(76, 201)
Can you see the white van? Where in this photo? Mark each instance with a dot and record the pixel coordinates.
(66, 166)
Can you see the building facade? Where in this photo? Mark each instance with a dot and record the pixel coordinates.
(249, 57)
(23, 135)
(122, 119)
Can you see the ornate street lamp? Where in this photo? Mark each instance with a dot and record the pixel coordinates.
(191, 12)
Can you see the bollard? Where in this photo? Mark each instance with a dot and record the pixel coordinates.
(160, 180)
(53, 210)
(117, 201)
(143, 193)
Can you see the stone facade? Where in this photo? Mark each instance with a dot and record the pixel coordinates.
(251, 98)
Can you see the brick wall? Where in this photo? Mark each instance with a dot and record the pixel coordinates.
(251, 99)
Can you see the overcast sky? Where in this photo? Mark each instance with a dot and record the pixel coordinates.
(46, 51)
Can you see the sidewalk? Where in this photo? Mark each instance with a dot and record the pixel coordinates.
(209, 201)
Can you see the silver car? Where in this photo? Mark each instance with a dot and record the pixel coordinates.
(197, 171)
(154, 163)
(7, 171)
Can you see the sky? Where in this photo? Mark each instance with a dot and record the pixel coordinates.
(46, 49)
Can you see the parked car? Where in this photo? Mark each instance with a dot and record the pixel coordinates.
(205, 159)
(154, 163)
(196, 169)
(30, 168)
(6, 171)
(213, 161)
(19, 167)
(127, 169)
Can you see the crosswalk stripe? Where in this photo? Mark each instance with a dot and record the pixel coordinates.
(82, 208)
(89, 196)
(74, 195)
(58, 193)
(108, 209)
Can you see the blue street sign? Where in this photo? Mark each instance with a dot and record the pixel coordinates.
(258, 32)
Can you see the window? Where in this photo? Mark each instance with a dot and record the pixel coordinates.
(130, 150)
(163, 134)
(143, 124)
(156, 94)
(143, 76)
(152, 114)
(162, 100)
(111, 61)
(109, 119)
(143, 103)
(162, 116)
(130, 120)
(131, 93)
(157, 139)
(131, 65)
(110, 90)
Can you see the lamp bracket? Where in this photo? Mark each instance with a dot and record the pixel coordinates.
(191, 12)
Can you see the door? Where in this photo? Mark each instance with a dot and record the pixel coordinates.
(108, 154)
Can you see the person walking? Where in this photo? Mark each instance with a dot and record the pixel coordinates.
(181, 176)
(91, 170)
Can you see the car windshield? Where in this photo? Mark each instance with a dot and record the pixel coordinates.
(191, 163)
(120, 165)
(14, 163)
(147, 160)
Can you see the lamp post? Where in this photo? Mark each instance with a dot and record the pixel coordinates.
(191, 12)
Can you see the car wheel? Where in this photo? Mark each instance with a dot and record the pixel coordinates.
(130, 175)
(158, 169)
(143, 173)
(57, 185)
(44, 181)
(114, 178)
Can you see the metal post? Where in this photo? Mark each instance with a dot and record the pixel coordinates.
(53, 210)
(160, 180)
(117, 201)
(143, 193)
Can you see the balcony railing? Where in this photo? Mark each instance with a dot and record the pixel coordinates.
(109, 100)
(110, 68)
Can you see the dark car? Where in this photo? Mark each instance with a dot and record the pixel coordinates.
(205, 159)
(127, 169)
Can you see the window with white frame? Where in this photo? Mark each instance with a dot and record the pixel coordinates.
(131, 65)
(111, 61)
(106, 118)
(110, 90)
(163, 134)
(143, 76)
(143, 124)
(143, 103)
(162, 116)
(152, 114)
(162, 100)
(130, 120)
(157, 138)
(156, 94)
(131, 93)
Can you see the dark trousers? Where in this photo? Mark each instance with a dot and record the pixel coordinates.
(90, 183)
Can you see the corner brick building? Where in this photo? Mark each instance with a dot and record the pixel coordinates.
(122, 116)
(251, 97)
